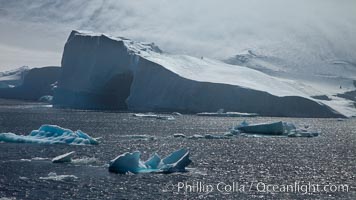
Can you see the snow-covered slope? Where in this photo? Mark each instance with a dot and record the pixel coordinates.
(326, 80)
(101, 71)
(13, 78)
(29, 84)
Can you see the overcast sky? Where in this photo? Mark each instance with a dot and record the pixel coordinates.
(33, 32)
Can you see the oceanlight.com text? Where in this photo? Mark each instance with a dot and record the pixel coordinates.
(259, 187)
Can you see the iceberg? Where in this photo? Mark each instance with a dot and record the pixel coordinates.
(118, 73)
(131, 163)
(50, 134)
(13, 78)
(67, 157)
(274, 129)
(31, 84)
(153, 162)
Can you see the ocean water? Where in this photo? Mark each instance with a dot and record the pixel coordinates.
(242, 167)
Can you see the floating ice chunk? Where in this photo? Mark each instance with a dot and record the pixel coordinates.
(54, 177)
(46, 99)
(50, 134)
(22, 178)
(85, 161)
(176, 114)
(39, 158)
(131, 162)
(302, 133)
(148, 115)
(25, 160)
(229, 134)
(227, 114)
(67, 157)
(234, 131)
(164, 117)
(176, 161)
(196, 136)
(138, 137)
(127, 162)
(7, 198)
(154, 116)
(276, 128)
(211, 136)
(179, 135)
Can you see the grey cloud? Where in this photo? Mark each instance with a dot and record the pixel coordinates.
(307, 29)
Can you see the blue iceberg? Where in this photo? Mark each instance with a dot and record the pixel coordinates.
(131, 162)
(50, 134)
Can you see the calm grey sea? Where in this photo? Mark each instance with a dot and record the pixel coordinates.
(242, 167)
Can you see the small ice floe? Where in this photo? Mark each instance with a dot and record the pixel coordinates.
(25, 160)
(7, 198)
(154, 116)
(148, 115)
(67, 157)
(274, 129)
(205, 136)
(179, 135)
(46, 99)
(50, 134)
(221, 113)
(131, 163)
(208, 136)
(176, 114)
(85, 161)
(195, 136)
(39, 159)
(32, 159)
(165, 117)
(23, 178)
(54, 177)
(212, 136)
(138, 137)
